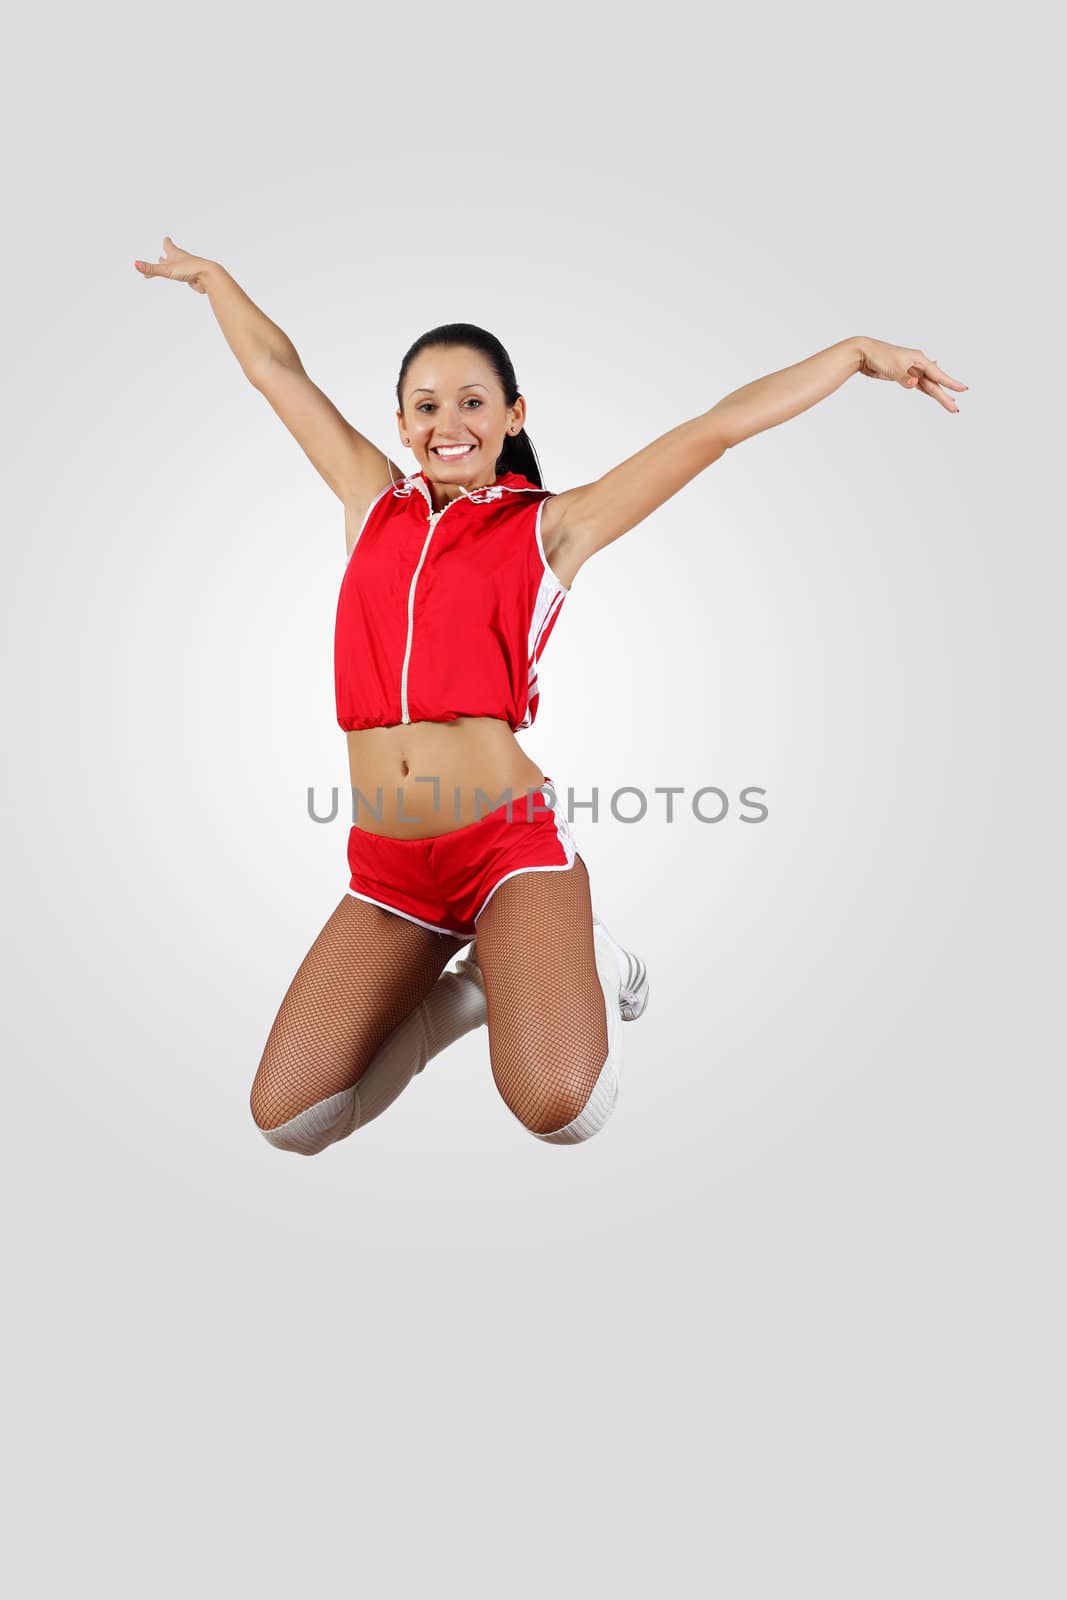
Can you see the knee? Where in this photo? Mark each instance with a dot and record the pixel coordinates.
(306, 1132)
(567, 1100)
(571, 1108)
(268, 1113)
(267, 1104)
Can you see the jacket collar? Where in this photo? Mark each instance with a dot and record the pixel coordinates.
(504, 483)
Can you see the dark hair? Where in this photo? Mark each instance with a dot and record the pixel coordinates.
(517, 453)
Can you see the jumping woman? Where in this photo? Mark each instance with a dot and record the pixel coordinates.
(454, 580)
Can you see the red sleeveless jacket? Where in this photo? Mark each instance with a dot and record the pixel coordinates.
(444, 614)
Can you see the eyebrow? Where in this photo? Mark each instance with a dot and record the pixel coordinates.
(462, 386)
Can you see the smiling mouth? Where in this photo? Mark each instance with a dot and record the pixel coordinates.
(453, 455)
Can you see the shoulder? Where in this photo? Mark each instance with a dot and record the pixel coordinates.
(546, 509)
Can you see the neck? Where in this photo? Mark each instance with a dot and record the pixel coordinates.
(443, 494)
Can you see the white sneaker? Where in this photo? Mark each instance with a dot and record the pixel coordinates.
(633, 987)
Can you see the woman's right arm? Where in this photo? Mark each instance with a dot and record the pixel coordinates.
(354, 468)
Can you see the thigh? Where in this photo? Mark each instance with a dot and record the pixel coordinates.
(548, 1035)
(366, 971)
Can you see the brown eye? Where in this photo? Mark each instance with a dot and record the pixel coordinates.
(473, 397)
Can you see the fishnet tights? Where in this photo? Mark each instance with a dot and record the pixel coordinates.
(368, 969)
(548, 1036)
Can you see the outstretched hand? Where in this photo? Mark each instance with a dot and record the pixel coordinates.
(178, 264)
(910, 368)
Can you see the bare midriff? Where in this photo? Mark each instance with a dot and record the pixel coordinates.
(418, 780)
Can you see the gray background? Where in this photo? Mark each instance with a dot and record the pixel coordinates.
(788, 1325)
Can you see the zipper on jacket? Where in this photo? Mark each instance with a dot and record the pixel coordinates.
(435, 517)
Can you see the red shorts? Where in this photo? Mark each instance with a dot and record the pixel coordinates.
(446, 883)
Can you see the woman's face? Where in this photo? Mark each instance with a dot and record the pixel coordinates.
(452, 396)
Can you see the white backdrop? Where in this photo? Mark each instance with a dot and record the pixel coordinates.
(787, 1325)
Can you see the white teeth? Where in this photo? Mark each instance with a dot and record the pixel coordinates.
(454, 450)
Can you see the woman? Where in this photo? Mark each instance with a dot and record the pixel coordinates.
(455, 577)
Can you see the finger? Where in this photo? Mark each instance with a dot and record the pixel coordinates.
(930, 369)
(934, 371)
(151, 269)
(928, 386)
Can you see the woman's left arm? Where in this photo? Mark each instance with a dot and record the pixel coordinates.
(781, 395)
(595, 514)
